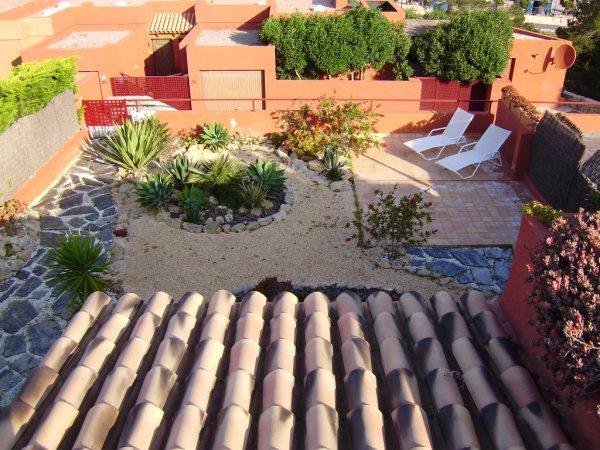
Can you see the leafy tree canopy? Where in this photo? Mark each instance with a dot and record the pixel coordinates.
(315, 45)
(472, 45)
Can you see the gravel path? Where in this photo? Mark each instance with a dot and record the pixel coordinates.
(311, 246)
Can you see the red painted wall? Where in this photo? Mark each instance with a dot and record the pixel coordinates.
(581, 419)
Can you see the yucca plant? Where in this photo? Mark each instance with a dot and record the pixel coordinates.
(253, 193)
(183, 172)
(333, 165)
(222, 176)
(193, 201)
(155, 191)
(215, 136)
(134, 145)
(266, 173)
(77, 264)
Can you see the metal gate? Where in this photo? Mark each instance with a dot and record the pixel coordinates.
(104, 113)
(469, 96)
(233, 84)
(165, 89)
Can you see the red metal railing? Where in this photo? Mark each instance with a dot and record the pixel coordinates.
(175, 88)
(104, 113)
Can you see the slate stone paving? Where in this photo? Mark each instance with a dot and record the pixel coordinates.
(483, 268)
(32, 316)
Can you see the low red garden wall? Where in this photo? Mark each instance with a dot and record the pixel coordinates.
(517, 149)
(582, 421)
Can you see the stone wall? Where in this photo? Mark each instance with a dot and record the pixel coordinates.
(32, 140)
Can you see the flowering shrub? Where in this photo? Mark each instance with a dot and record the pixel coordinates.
(11, 209)
(566, 299)
(346, 126)
(394, 222)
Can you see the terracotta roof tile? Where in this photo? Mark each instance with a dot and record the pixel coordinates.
(191, 374)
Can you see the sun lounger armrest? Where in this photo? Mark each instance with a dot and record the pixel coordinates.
(436, 129)
(462, 147)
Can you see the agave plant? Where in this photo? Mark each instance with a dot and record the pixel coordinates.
(155, 191)
(134, 145)
(253, 193)
(266, 173)
(193, 201)
(215, 136)
(77, 264)
(333, 165)
(183, 172)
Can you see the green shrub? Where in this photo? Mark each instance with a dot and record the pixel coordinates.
(253, 193)
(155, 191)
(193, 201)
(134, 145)
(215, 136)
(266, 173)
(77, 264)
(544, 213)
(221, 177)
(346, 126)
(183, 172)
(333, 165)
(473, 45)
(310, 46)
(412, 14)
(394, 222)
(30, 87)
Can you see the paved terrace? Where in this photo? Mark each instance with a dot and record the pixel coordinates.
(484, 210)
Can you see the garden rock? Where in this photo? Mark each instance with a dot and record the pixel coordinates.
(253, 226)
(469, 257)
(238, 227)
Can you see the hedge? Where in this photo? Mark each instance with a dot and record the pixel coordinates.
(472, 45)
(310, 46)
(31, 86)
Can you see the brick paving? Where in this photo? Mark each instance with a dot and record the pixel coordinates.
(484, 210)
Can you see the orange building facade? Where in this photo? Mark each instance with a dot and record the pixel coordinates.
(225, 63)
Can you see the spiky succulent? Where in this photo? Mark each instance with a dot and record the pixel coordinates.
(215, 136)
(253, 193)
(266, 174)
(183, 172)
(193, 201)
(155, 191)
(333, 165)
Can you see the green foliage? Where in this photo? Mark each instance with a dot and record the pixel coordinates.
(314, 45)
(30, 87)
(333, 165)
(221, 177)
(183, 172)
(78, 263)
(215, 136)
(193, 201)
(412, 14)
(134, 145)
(253, 193)
(266, 173)
(155, 191)
(544, 213)
(345, 126)
(436, 14)
(472, 45)
(584, 30)
(394, 222)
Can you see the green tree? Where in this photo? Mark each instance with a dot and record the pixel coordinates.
(288, 35)
(584, 30)
(472, 45)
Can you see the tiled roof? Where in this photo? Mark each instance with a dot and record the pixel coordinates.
(172, 23)
(221, 374)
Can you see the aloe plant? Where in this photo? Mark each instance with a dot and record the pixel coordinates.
(78, 264)
(333, 165)
(215, 136)
(193, 201)
(134, 145)
(155, 191)
(183, 172)
(266, 173)
(253, 193)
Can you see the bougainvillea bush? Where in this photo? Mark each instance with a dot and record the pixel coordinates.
(566, 298)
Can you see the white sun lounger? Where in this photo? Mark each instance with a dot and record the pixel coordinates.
(452, 134)
(485, 149)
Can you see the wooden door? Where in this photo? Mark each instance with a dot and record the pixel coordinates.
(233, 84)
(162, 51)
